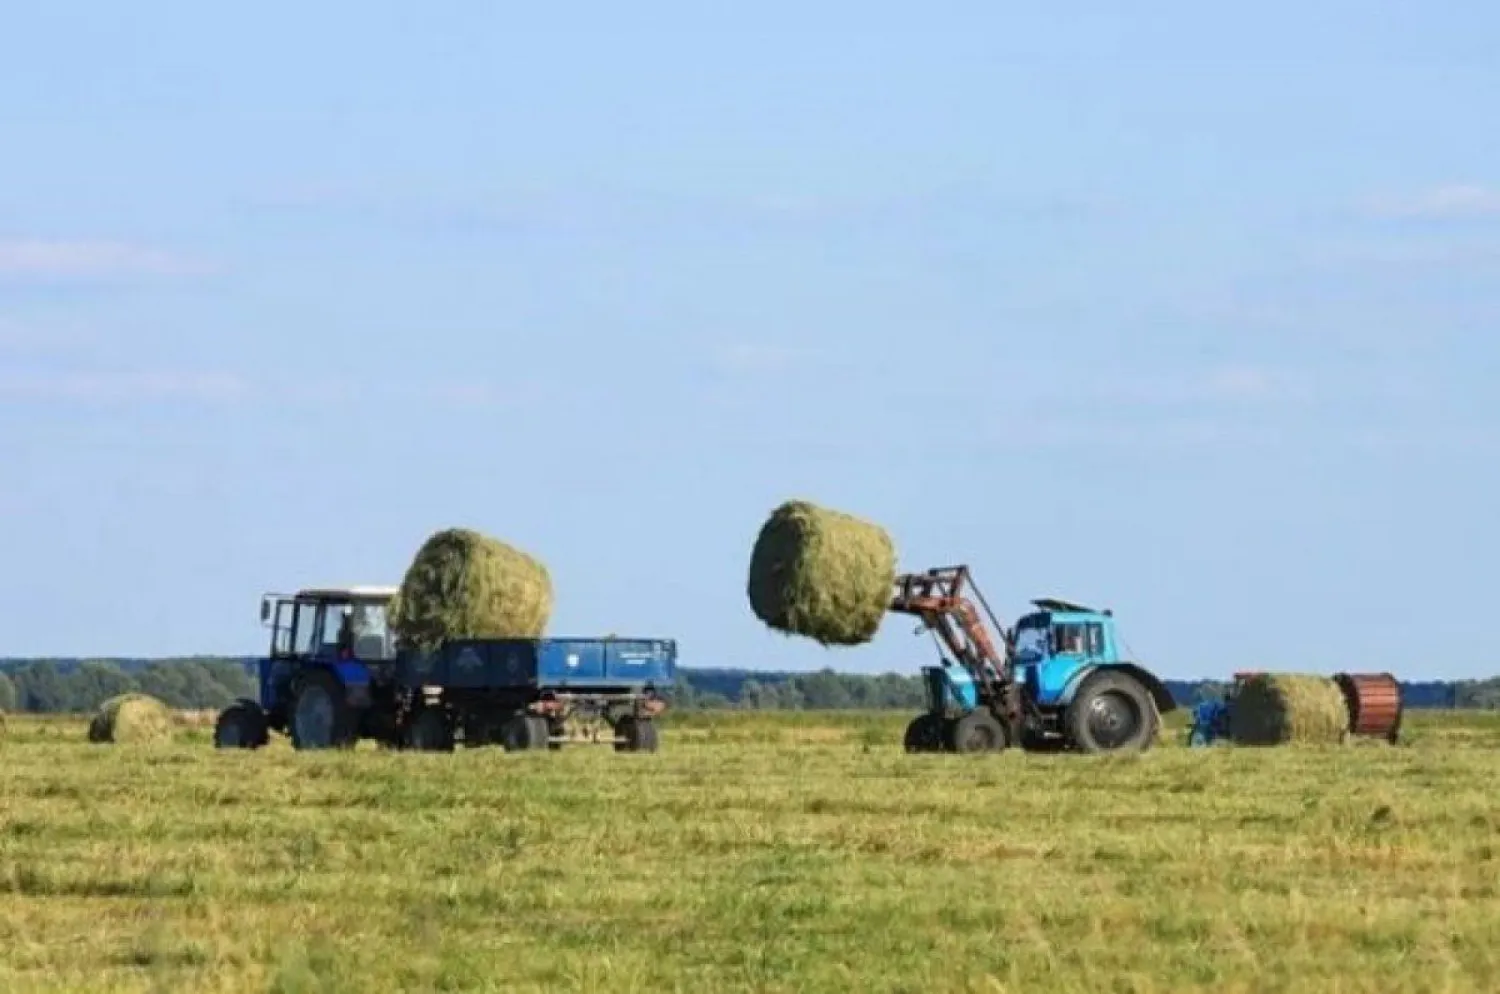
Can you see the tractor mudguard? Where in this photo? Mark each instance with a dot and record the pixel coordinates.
(1165, 702)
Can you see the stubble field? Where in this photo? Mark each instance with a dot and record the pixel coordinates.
(754, 853)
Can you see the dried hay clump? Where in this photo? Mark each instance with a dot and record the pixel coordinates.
(1278, 708)
(821, 573)
(462, 584)
(131, 718)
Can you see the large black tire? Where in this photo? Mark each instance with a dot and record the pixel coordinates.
(1112, 712)
(523, 731)
(321, 718)
(242, 725)
(639, 735)
(542, 732)
(430, 731)
(978, 731)
(926, 733)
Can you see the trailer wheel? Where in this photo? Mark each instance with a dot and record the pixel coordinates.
(639, 734)
(925, 733)
(430, 731)
(978, 731)
(320, 716)
(522, 732)
(1112, 712)
(541, 732)
(242, 725)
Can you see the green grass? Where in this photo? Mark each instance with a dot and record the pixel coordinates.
(755, 852)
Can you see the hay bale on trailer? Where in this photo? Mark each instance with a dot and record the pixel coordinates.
(129, 719)
(821, 573)
(462, 584)
(1281, 708)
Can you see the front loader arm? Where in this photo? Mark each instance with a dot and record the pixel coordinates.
(937, 598)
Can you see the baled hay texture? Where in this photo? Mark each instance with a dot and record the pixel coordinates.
(462, 584)
(1277, 708)
(821, 573)
(131, 718)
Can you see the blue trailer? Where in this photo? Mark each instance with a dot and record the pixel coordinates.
(335, 675)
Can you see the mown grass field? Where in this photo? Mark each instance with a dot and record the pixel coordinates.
(755, 852)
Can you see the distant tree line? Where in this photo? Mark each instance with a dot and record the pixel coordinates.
(73, 685)
(61, 686)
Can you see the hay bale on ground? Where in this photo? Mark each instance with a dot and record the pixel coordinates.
(462, 584)
(131, 718)
(1279, 708)
(821, 573)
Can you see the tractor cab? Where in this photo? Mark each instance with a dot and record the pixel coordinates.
(330, 624)
(1056, 641)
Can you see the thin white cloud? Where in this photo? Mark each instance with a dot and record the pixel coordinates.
(89, 259)
(1456, 201)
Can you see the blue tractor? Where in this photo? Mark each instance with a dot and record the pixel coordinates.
(335, 674)
(1057, 681)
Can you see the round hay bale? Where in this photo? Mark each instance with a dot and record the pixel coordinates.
(1280, 708)
(131, 718)
(822, 574)
(464, 585)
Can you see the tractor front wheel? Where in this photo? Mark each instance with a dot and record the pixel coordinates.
(1112, 712)
(925, 733)
(979, 731)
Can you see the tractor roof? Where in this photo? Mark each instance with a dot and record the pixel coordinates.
(1064, 607)
(348, 593)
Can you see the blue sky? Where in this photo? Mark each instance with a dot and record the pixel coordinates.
(1181, 312)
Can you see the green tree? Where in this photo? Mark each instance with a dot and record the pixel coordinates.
(40, 687)
(95, 682)
(9, 699)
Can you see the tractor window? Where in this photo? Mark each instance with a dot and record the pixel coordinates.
(1095, 639)
(305, 630)
(369, 621)
(281, 631)
(1068, 639)
(1031, 643)
(333, 617)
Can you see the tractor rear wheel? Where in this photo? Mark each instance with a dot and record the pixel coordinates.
(1112, 712)
(979, 731)
(925, 733)
(321, 717)
(242, 725)
(430, 731)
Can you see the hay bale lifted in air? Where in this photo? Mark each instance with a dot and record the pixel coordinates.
(821, 573)
(462, 584)
(131, 718)
(1280, 708)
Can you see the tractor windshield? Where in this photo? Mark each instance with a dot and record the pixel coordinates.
(1031, 642)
